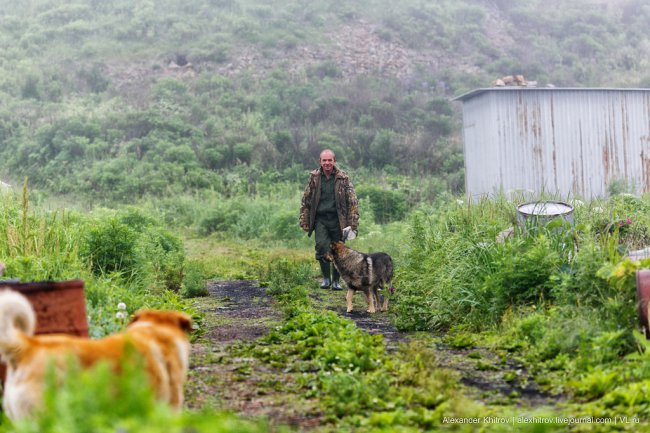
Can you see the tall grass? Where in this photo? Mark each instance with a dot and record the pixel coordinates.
(40, 245)
(458, 272)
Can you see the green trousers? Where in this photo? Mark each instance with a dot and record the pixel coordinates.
(327, 230)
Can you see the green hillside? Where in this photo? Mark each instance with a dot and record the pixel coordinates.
(118, 100)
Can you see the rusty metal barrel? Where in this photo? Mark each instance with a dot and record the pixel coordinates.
(60, 307)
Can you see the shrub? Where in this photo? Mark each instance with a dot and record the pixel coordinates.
(457, 272)
(387, 205)
(194, 283)
(284, 225)
(160, 258)
(579, 284)
(287, 282)
(110, 246)
(522, 274)
(444, 266)
(134, 248)
(220, 218)
(136, 218)
(95, 78)
(346, 393)
(243, 152)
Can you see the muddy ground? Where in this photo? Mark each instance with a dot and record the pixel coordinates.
(240, 311)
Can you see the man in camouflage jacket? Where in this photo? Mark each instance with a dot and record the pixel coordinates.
(329, 205)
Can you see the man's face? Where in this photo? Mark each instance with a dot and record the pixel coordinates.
(327, 161)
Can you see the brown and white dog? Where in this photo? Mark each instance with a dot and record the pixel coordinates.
(160, 337)
(365, 272)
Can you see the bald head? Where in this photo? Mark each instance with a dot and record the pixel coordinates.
(327, 161)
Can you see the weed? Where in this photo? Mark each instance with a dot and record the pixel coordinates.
(485, 366)
(287, 282)
(110, 247)
(460, 340)
(194, 283)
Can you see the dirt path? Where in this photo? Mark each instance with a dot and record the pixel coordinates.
(241, 311)
(378, 323)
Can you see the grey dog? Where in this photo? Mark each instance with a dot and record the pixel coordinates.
(365, 272)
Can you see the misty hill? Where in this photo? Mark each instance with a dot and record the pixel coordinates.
(127, 99)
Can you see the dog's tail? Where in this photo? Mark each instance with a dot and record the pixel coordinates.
(17, 317)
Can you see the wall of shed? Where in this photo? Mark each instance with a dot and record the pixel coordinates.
(568, 143)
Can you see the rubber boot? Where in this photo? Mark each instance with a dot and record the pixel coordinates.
(335, 279)
(325, 270)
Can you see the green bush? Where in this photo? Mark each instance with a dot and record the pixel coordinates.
(134, 247)
(194, 283)
(273, 215)
(346, 393)
(136, 218)
(160, 258)
(284, 225)
(387, 205)
(61, 245)
(38, 246)
(456, 272)
(522, 274)
(445, 263)
(110, 246)
(218, 219)
(287, 282)
(411, 314)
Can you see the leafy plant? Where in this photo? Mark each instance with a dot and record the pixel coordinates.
(195, 281)
(110, 246)
(286, 282)
(387, 205)
(161, 258)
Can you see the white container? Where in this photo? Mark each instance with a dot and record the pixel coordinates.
(541, 213)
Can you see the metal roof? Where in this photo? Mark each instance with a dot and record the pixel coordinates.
(476, 92)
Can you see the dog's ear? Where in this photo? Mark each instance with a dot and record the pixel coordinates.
(174, 318)
(185, 322)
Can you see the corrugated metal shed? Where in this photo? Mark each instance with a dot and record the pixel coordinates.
(571, 142)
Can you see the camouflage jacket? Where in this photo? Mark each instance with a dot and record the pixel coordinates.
(347, 206)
